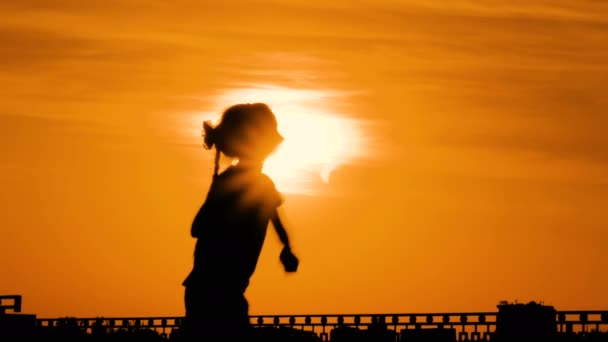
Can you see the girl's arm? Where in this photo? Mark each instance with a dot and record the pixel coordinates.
(280, 229)
(288, 259)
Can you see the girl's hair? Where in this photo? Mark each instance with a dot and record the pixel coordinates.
(245, 130)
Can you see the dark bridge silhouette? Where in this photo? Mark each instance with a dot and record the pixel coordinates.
(512, 322)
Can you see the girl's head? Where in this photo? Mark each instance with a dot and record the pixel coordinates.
(246, 131)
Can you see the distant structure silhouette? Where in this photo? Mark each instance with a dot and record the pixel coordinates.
(513, 323)
(230, 226)
(12, 322)
(521, 322)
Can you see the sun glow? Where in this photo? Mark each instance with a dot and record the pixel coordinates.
(317, 139)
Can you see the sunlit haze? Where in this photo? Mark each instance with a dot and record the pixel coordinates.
(317, 138)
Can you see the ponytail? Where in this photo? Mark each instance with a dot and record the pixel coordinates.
(216, 167)
(210, 135)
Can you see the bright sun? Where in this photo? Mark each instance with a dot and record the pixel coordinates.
(317, 140)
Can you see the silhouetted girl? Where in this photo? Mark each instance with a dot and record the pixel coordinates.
(231, 225)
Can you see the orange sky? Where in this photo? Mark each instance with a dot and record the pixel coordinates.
(481, 173)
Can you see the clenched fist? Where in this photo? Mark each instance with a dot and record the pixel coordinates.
(289, 260)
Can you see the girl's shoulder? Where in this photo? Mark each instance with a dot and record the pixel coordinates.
(234, 177)
(272, 194)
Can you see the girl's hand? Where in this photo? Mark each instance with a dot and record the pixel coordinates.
(289, 260)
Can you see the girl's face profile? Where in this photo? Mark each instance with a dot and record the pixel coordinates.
(258, 148)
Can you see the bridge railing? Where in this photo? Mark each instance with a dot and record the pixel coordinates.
(582, 321)
(468, 326)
